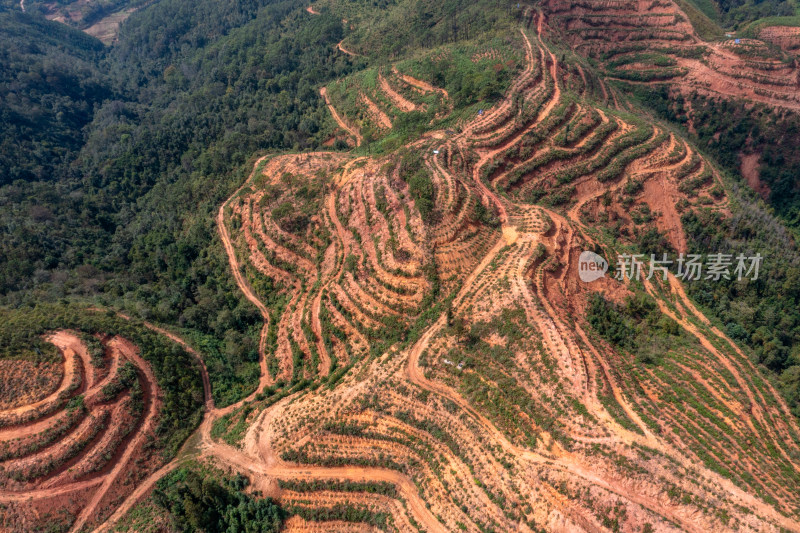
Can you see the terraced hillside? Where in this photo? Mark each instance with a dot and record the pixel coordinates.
(92, 404)
(76, 444)
(430, 360)
(658, 41)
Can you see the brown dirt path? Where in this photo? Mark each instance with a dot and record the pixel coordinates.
(339, 120)
(376, 113)
(397, 99)
(258, 458)
(131, 353)
(13, 496)
(755, 403)
(423, 86)
(316, 326)
(403, 483)
(67, 345)
(341, 48)
(243, 285)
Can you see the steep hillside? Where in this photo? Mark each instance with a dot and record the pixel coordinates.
(680, 62)
(653, 42)
(423, 311)
(98, 18)
(50, 82)
(114, 404)
(389, 314)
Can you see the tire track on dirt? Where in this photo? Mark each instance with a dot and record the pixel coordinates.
(397, 99)
(258, 457)
(150, 383)
(244, 286)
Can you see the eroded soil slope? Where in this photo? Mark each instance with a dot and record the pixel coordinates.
(424, 326)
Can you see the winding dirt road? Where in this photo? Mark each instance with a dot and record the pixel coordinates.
(341, 48)
(244, 286)
(70, 348)
(131, 353)
(423, 86)
(339, 120)
(248, 460)
(397, 99)
(258, 458)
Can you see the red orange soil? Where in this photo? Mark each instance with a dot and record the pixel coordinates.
(500, 274)
(341, 48)
(375, 113)
(24, 382)
(74, 353)
(397, 99)
(749, 168)
(421, 85)
(93, 475)
(786, 37)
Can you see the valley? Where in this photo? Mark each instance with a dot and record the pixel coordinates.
(428, 357)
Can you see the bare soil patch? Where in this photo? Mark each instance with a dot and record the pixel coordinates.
(749, 168)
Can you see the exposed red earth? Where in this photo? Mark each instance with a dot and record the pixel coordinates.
(368, 269)
(92, 449)
(451, 352)
(626, 31)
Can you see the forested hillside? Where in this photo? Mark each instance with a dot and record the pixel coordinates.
(279, 266)
(81, 14)
(191, 92)
(50, 81)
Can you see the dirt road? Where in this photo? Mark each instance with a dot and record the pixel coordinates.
(341, 48)
(339, 120)
(258, 458)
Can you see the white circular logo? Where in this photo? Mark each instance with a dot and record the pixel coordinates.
(591, 267)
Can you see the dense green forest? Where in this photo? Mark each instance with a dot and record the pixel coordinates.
(736, 12)
(50, 81)
(198, 500)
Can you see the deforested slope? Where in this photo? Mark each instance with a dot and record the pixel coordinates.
(423, 310)
(426, 355)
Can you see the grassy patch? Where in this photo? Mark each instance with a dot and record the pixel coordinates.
(705, 27)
